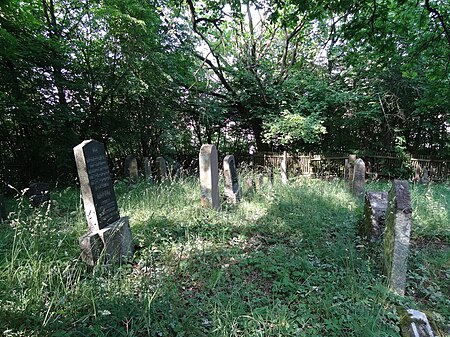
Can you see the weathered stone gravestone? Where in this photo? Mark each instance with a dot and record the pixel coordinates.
(359, 178)
(209, 176)
(270, 176)
(260, 180)
(161, 169)
(284, 168)
(374, 218)
(397, 234)
(251, 186)
(131, 168)
(346, 167)
(418, 325)
(425, 179)
(38, 193)
(3, 215)
(147, 168)
(231, 182)
(109, 236)
(350, 166)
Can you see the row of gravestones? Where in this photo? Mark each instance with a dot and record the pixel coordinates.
(131, 169)
(387, 219)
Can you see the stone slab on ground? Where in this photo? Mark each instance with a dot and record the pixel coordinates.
(112, 244)
(374, 217)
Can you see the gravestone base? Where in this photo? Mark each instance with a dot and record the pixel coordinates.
(416, 324)
(112, 244)
(374, 218)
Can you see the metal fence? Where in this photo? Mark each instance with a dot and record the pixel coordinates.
(379, 165)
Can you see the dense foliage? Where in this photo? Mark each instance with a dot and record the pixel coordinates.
(151, 78)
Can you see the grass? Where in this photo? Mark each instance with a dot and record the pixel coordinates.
(286, 261)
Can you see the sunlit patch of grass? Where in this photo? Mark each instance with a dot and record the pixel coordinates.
(286, 261)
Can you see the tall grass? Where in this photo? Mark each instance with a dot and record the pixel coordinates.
(286, 261)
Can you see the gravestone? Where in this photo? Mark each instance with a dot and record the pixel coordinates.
(131, 168)
(270, 176)
(38, 193)
(418, 324)
(147, 168)
(284, 167)
(359, 178)
(3, 215)
(425, 179)
(209, 176)
(351, 163)
(374, 218)
(346, 167)
(161, 169)
(397, 234)
(260, 180)
(231, 183)
(251, 186)
(109, 236)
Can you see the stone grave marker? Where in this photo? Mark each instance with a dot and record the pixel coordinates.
(108, 236)
(131, 168)
(359, 178)
(418, 325)
(231, 182)
(351, 163)
(161, 169)
(284, 168)
(396, 235)
(38, 193)
(251, 186)
(425, 179)
(147, 168)
(209, 176)
(374, 218)
(260, 180)
(270, 176)
(3, 214)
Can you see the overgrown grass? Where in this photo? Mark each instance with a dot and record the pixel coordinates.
(286, 261)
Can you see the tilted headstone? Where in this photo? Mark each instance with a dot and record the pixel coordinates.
(231, 182)
(209, 175)
(99, 198)
(397, 234)
(359, 178)
(284, 168)
(374, 218)
(131, 168)
(161, 169)
(418, 325)
(38, 193)
(109, 236)
(147, 168)
(3, 215)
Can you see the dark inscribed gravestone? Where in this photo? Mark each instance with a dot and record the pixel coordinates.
(396, 235)
(3, 215)
(131, 168)
(147, 168)
(284, 168)
(374, 218)
(231, 179)
(209, 176)
(359, 178)
(108, 236)
(161, 169)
